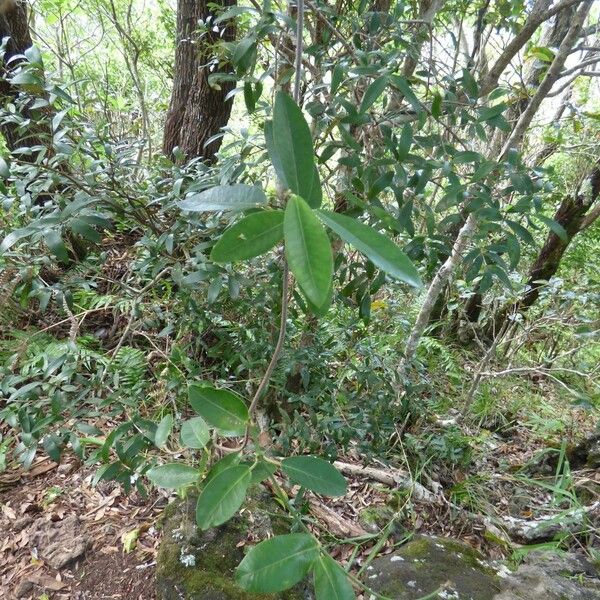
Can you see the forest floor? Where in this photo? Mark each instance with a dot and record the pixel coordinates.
(67, 539)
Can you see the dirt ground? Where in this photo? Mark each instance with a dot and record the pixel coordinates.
(66, 539)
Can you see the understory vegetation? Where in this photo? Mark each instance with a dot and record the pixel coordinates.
(246, 243)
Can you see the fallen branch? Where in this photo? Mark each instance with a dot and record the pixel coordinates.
(336, 524)
(394, 478)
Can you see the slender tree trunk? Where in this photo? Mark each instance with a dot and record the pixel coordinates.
(14, 25)
(564, 33)
(435, 289)
(470, 226)
(572, 216)
(197, 111)
(428, 9)
(551, 77)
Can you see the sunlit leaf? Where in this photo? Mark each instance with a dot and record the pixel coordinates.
(252, 236)
(308, 250)
(316, 474)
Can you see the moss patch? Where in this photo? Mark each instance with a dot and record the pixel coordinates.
(215, 554)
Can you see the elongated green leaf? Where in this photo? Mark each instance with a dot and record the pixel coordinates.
(521, 232)
(225, 198)
(277, 564)
(405, 142)
(172, 475)
(83, 229)
(372, 93)
(404, 87)
(379, 249)
(252, 236)
(290, 148)
(4, 168)
(331, 581)
(555, 227)
(220, 408)
(163, 431)
(222, 496)
(195, 433)
(308, 250)
(56, 245)
(14, 236)
(316, 474)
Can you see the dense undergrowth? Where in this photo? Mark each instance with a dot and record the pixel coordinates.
(114, 307)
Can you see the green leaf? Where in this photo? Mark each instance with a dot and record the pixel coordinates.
(262, 470)
(290, 147)
(85, 230)
(4, 168)
(378, 248)
(172, 475)
(226, 462)
(490, 112)
(436, 105)
(252, 236)
(331, 581)
(225, 198)
(14, 236)
(222, 496)
(542, 53)
(277, 564)
(308, 250)
(316, 474)
(372, 93)
(469, 83)
(405, 142)
(220, 408)
(521, 232)
(195, 433)
(555, 227)
(56, 245)
(163, 431)
(404, 87)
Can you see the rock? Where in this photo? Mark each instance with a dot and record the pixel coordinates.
(549, 576)
(426, 564)
(546, 528)
(586, 453)
(196, 565)
(61, 542)
(24, 588)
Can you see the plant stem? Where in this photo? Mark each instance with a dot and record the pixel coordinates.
(280, 340)
(286, 271)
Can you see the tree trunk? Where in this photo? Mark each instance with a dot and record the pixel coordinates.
(571, 215)
(197, 111)
(564, 34)
(15, 26)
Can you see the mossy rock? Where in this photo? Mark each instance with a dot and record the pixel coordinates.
(426, 564)
(200, 565)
